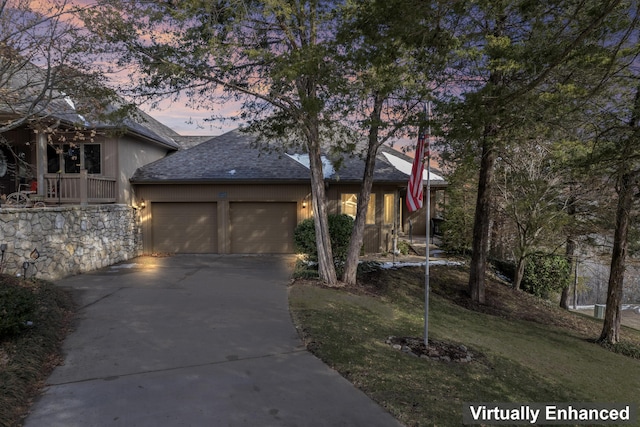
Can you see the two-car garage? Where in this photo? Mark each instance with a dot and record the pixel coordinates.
(222, 227)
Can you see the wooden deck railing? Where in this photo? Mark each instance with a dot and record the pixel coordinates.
(82, 188)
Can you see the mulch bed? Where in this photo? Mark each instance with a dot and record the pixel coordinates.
(437, 350)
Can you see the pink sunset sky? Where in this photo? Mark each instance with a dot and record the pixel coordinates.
(179, 114)
(188, 121)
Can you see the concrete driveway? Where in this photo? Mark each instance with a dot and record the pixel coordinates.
(201, 340)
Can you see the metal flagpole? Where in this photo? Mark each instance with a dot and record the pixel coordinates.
(428, 228)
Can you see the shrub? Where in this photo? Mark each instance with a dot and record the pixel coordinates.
(340, 227)
(304, 237)
(403, 247)
(17, 306)
(545, 274)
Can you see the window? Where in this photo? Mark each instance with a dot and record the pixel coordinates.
(389, 208)
(69, 158)
(371, 210)
(53, 160)
(349, 205)
(92, 158)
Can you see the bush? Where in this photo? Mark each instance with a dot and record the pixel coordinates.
(304, 237)
(17, 307)
(403, 247)
(340, 227)
(545, 274)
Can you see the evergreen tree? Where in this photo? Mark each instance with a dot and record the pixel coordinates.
(512, 55)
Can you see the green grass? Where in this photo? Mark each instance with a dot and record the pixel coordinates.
(551, 359)
(28, 356)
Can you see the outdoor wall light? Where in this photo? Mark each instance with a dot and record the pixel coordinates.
(304, 201)
(142, 204)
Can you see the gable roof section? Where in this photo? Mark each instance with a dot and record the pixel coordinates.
(404, 164)
(27, 82)
(139, 124)
(233, 157)
(146, 127)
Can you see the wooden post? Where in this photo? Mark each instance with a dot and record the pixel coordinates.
(84, 187)
(41, 162)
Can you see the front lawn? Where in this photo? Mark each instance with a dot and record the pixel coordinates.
(525, 349)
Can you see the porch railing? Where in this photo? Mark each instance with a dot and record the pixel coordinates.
(82, 188)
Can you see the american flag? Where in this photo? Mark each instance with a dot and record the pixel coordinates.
(414, 192)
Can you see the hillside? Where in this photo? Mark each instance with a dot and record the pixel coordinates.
(524, 349)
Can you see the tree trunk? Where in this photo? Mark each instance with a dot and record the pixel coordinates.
(326, 267)
(570, 256)
(611, 327)
(517, 279)
(570, 251)
(357, 234)
(626, 187)
(481, 223)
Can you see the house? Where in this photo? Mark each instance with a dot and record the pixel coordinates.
(67, 165)
(66, 154)
(227, 195)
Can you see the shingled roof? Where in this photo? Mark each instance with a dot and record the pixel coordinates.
(234, 157)
(27, 82)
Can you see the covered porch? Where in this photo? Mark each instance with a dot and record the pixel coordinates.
(33, 168)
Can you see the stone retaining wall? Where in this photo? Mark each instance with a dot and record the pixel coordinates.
(69, 239)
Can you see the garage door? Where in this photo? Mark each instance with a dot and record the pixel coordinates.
(185, 227)
(262, 228)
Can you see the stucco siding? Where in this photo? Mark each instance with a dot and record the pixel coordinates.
(132, 153)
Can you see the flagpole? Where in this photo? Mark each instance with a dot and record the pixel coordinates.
(428, 228)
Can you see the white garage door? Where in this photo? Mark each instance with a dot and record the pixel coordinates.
(262, 228)
(184, 227)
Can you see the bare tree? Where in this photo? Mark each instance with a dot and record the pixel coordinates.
(43, 64)
(529, 188)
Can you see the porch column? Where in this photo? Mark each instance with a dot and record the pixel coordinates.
(84, 187)
(41, 161)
